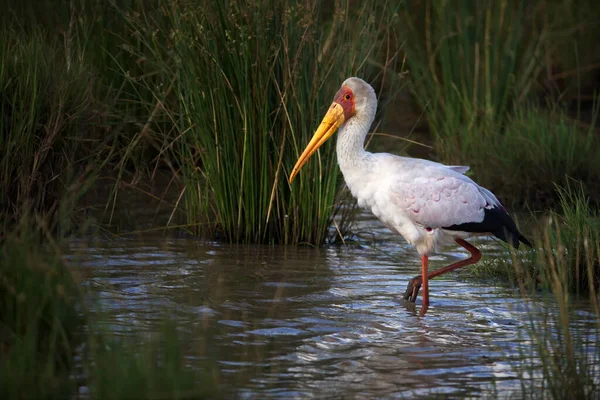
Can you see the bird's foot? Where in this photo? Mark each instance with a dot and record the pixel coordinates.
(412, 291)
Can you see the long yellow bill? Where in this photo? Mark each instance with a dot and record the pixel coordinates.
(331, 122)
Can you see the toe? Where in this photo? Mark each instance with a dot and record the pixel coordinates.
(412, 291)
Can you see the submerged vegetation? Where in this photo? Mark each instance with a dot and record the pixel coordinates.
(566, 269)
(40, 312)
(46, 335)
(222, 97)
(564, 359)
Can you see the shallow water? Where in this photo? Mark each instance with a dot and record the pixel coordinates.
(303, 322)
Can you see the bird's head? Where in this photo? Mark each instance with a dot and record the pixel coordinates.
(350, 102)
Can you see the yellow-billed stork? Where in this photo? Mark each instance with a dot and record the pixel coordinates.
(428, 203)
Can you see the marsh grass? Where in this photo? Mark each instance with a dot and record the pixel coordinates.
(77, 101)
(227, 95)
(539, 149)
(46, 114)
(469, 62)
(475, 69)
(253, 80)
(575, 234)
(558, 280)
(567, 241)
(569, 232)
(51, 345)
(125, 367)
(559, 284)
(563, 361)
(572, 71)
(40, 317)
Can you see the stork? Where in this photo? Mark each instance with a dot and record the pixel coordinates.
(426, 202)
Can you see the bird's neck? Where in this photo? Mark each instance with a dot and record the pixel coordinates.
(351, 152)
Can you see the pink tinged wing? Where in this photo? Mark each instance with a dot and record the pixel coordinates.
(439, 201)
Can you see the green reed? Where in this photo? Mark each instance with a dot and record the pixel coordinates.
(474, 69)
(538, 149)
(565, 356)
(46, 111)
(570, 231)
(558, 280)
(51, 345)
(253, 80)
(469, 62)
(40, 318)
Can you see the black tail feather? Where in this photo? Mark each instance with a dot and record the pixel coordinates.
(513, 237)
(497, 222)
(524, 240)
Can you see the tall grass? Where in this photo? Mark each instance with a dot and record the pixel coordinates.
(253, 80)
(575, 234)
(559, 282)
(77, 91)
(40, 318)
(469, 62)
(51, 345)
(475, 69)
(567, 243)
(564, 360)
(573, 68)
(46, 115)
(537, 150)
(567, 236)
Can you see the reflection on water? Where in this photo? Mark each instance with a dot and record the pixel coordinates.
(305, 322)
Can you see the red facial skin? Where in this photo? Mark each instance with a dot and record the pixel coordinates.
(345, 98)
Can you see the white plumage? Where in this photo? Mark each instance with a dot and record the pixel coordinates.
(411, 195)
(428, 203)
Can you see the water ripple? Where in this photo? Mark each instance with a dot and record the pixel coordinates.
(304, 323)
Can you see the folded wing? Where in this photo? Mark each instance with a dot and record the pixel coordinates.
(445, 199)
(437, 201)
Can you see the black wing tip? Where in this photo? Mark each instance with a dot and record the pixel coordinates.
(511, 235)
(513, 238)
(525, 241)
(497, 222)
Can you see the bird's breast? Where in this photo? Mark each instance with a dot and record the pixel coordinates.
(363, 187)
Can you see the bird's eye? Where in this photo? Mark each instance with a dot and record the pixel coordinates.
(347, 97)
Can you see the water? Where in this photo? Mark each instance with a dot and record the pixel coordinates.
(302, 322)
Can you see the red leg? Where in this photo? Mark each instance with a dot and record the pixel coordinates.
(425, 275)
(475, 257)
(415, 283)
